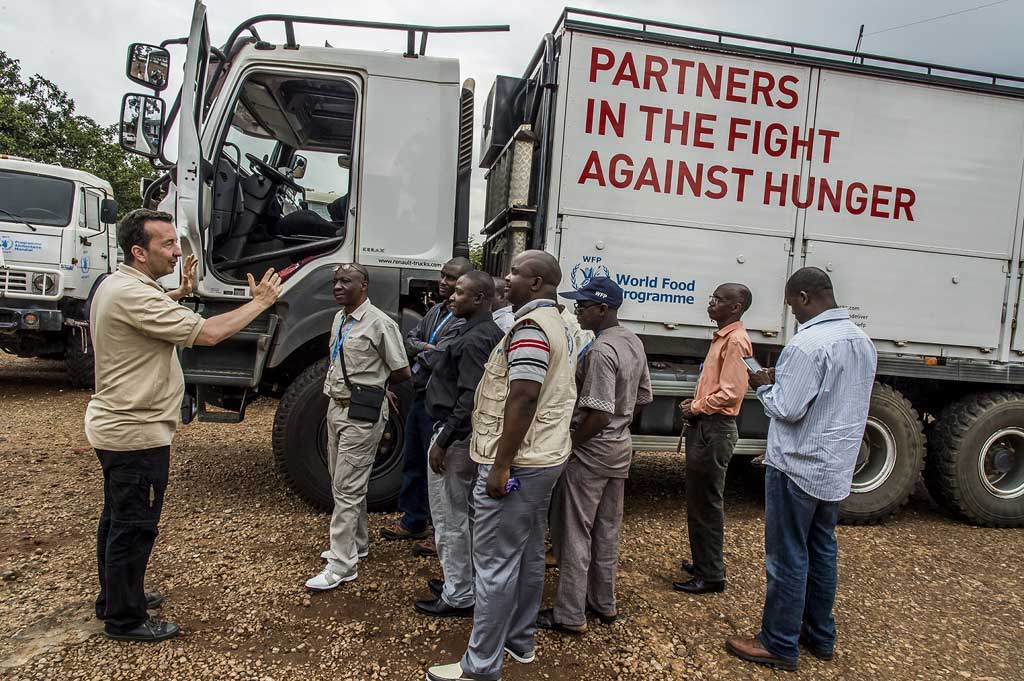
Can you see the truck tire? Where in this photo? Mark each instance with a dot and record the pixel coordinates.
(976, 461)
(890, 461)
(78, 364)
(300, 444)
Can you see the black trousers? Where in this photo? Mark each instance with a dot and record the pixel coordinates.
(133, 496)
(709, 445)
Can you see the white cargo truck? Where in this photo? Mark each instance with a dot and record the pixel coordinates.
(671, 158)
(57, 242)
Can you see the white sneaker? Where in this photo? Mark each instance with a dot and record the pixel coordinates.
(447, 672)
(328, 579)
(526, 658)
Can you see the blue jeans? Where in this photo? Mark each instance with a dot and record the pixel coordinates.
(801, 560)
(413, 501)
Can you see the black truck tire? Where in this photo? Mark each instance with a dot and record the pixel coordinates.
(300, 444)
(890, 462)
(976, 460)
(79, 365)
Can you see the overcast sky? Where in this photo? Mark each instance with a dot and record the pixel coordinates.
(81, 46)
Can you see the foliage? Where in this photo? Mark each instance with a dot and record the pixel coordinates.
(38, 121)
(476, 252)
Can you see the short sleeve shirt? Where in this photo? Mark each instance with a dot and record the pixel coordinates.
(612, 377)
(373, 349)
(136, 329)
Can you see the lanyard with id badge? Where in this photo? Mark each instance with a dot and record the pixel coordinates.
(366, 401)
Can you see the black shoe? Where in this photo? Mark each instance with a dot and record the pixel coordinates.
(546, 620)
(436, 586)
(687, 567)
(153, 601)
(606, 620)
(698, 585)
(149, 631)
(825, 655)
(438, 608)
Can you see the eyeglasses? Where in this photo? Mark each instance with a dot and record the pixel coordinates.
(715, 300)
(580, 306)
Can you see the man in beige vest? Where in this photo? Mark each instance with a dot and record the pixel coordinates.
(521, 417)
(136, 327)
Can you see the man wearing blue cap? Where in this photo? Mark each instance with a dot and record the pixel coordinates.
(612, 381)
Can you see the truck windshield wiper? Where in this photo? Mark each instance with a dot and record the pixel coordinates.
(19, 218)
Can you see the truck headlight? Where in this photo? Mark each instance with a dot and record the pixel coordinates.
(45, 284)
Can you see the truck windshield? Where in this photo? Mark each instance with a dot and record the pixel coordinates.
(35, 198)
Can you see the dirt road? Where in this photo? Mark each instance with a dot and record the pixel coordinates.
(921, 597)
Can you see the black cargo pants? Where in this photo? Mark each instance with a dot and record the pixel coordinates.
(133, 496)
(709, 445)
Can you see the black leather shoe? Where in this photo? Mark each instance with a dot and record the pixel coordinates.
(546, 620)
(606, 620)
(153, 601)
(436, 586)
(687, 567)
(438, 608)
(698, 585)
(149, 631)
(819, 653)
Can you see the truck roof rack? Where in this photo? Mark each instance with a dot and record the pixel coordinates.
(696, 36)
(290, 20)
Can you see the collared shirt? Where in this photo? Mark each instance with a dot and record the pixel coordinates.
(611, 377)
(456, 375)
(723, 380)
(818, 404)
(436, 328)
(135, 329)
(528, 348)
(372, 346)
(504, 318)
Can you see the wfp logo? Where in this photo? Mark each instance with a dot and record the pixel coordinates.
(6, 243)
(586, 270)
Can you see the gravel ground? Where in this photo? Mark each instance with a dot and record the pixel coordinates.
(922, 597)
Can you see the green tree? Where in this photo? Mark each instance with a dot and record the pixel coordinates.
(38, 121)
(476, 252)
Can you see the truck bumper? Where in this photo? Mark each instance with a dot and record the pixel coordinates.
(30, 319)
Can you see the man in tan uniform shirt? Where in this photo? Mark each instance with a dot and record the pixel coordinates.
(370, 345)
(131, 419)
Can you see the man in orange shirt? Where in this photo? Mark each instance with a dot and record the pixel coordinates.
(711, 436)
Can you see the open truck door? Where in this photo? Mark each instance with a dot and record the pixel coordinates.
(189, 176)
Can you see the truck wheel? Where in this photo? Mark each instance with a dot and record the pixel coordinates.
(300, 445)
(890, 460)
(976, 463)
(78, 364)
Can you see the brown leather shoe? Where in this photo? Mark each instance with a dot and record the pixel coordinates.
(424, 548)
(751, 650)
(396, 531)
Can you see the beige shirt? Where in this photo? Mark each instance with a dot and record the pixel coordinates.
(373, 349)
(135, 328)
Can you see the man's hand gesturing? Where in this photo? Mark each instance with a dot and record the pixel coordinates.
(266, 292)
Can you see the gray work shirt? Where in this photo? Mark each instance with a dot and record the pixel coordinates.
(612, 377)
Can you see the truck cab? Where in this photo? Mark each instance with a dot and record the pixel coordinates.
(265, 133)
(57, 241)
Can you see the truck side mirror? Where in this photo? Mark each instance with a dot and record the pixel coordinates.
(108, 211)
(142, 125)
(299, 164)
(148, 65)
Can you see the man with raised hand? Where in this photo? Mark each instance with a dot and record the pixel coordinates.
(136, 330)
(523, 407)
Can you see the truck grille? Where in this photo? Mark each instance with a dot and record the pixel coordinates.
(14, 282)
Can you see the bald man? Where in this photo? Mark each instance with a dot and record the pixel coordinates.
(521, 441)
(711, 437)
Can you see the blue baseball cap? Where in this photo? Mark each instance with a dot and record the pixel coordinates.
(598, 290)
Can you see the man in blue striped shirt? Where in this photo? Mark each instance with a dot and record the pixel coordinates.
(817, 398)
